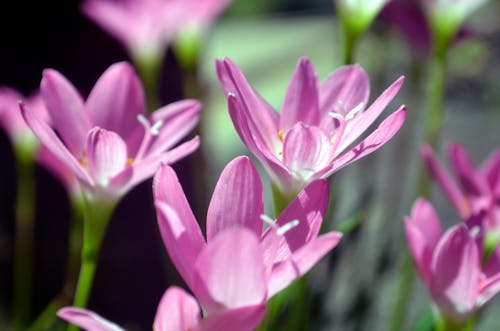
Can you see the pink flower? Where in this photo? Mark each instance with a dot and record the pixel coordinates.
(107, 142)
(450, 263)
(22, 136)
(478, 188)
(11, 119)
(285, 251)
(146, 27)
(319, 122)
(177, 311)
(231, 278)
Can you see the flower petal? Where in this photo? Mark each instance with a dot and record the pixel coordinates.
(263, 117)
(455, 273)
(178, 119)
(87, 319)
(344, 90)
(66, 110)
(308, 208)
(445, 181)
(423, 232)
(182, 239)
(177, 311)
(464, 168)
(300, 262)
(301, 99)
(491, 169)
(116, 100)
(306, 150)
(52, 142)
(360, 123)
(387, 129)
(278, 173)
(241, 319)
(238, 199)
(145, 168)
(106, 154)
(230, 272)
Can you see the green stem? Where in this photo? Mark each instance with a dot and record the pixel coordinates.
(24, 237)
(349, 39)
(435, 101)
(149, 68)
(96, 216)
(443, 324)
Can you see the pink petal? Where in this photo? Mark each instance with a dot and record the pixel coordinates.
(87, 320)
(278, 173)
(492, 265)
(343, 91)
(360, 123)
(230, 272)
(447, 184)
(387, 129)
(106, 154)
(306, 150)
(178, 119)
(65, 107)
(182, 239)
(465, 170)
(455, 273)
(177, 311)
(58, 169)
(301, 99)
(263, 117)
(423, 232)
(308, 208)
(238, 199)
(145, 168)
(300, 262)
(52, 142)
(116, 100)
(488, 290)
(241, 319)
(491, 169)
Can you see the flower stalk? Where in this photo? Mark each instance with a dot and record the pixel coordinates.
(24, 236)
(96, 216)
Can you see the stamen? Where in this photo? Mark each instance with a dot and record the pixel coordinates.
(280, 230)
(149, 131)
(155, 129)
(354, 111)
(130, 161)
(281, 135)
(336, 115)
(287, 227)
(143, 120)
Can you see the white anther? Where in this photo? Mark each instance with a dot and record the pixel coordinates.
(268, 220)
(474, 231)
(336, 115)
(354, 111)
(287, 227)
(155, 129)
(231, 94)
(144, 121)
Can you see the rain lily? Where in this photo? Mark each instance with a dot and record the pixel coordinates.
(450, 263)
(286, 250)
(146, 27)
(23, 138)
(231, 272)
(478, 188)
(106, 141)
(319, 122)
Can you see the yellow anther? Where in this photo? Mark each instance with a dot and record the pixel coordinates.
(130, 161)
(281, 135)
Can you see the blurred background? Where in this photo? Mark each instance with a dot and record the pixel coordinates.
(354, 288)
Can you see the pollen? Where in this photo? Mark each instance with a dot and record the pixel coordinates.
(130, 161)
(281, 135)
